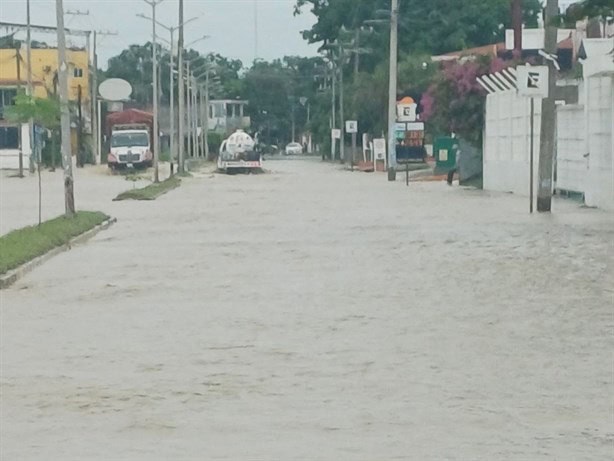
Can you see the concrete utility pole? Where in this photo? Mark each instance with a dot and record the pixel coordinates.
(189, 106)
(156, 134)
(180, 158)
(341, 112)
(94, 95)
(206, 118)
(517, 26)
(69, 197)
(333, 107)
(548, 123)
(392, 91)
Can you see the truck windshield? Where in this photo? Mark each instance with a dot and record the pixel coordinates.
(130, 140)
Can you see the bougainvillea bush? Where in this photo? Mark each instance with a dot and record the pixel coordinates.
(455, 101)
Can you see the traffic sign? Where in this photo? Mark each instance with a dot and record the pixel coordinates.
(336, 133)
(407, 110)
(532, 81)
(351, 126)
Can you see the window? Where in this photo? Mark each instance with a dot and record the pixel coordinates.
(130, 140)
(9, 137)
(77, 72)
(7, 98)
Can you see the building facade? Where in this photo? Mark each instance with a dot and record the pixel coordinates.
(14, 138)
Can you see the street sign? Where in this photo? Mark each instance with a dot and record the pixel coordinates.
(379, 148)
(351, 126)
(336, 133)
(532, 81)
(407, 110)
(415, 126)
(400, 126)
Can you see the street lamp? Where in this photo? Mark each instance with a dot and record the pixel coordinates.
(156, 132)
(171, 30)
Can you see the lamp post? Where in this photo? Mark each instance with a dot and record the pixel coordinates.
(171, 30)
(156, 130)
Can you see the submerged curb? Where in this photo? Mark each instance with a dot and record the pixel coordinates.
(8, 279)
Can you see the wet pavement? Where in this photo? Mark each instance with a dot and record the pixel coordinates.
(316, 314)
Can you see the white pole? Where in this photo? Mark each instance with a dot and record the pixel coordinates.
(392, 91)
(180, 145)
(99, 128)
(189, 108)
(172, 103)
(206, 119)
(156, 133)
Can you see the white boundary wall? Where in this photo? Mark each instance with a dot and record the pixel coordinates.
(571, 163)
(599, 116)
(507, 142)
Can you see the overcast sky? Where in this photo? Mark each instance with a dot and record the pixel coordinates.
(230, 23)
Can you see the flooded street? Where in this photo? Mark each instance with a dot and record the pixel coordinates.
(316, 314)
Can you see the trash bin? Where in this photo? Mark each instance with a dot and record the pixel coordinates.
(444, 151)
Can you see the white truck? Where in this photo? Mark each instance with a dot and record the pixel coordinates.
(238, 154)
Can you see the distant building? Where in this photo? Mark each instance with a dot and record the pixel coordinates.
(13, 76)
(227, 115)
(569, 41)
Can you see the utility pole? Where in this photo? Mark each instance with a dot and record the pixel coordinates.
(517, 26)
(392, 91)
(188, 108)
(333, 111)
(30, 93)
(206, 118)
(548, 122)
(94, 94)
(80, 159)
(180, 158)
(69, 197)
(172, 101)
(341, 114)
(195, 108)
(156, 129)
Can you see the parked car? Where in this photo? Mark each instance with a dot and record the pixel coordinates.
(294, 148)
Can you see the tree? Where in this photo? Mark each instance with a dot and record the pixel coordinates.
(455, 101)
(44, 112)
(432, 27)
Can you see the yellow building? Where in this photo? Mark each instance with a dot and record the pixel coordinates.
(14, 70)
(14, 75)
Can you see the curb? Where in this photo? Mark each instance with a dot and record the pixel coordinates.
(14, 275)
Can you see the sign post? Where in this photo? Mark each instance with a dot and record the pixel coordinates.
(351, 126)
(532, 83)
(335, 134)
(379, 152)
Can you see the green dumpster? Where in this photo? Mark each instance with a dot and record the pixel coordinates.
(444, 151)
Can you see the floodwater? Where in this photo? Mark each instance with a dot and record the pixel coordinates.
(316, 314)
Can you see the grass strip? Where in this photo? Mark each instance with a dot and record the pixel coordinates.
(23, 245)
(151, 192)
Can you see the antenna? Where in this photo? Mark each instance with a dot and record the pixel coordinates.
(255, 30)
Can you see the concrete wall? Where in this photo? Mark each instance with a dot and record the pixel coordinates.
(507, 143)
(571, 163)
(599, 126)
